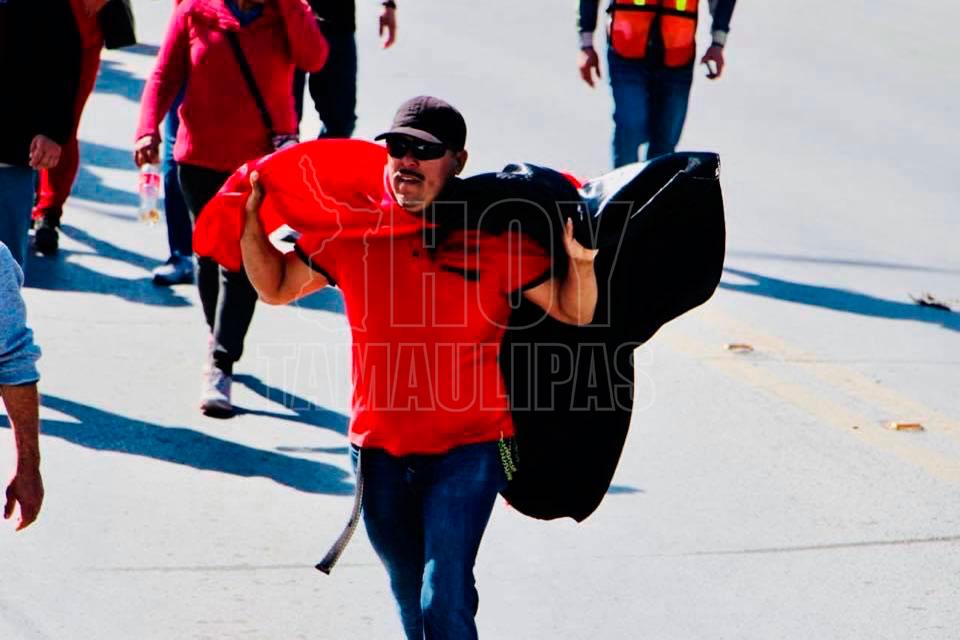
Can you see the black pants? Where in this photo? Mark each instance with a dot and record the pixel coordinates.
(228, 298)
(333, 88)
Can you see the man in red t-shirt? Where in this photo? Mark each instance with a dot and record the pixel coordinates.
(428, 305)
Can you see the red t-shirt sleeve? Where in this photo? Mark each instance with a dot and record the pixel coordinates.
(523, 263)
(168, 76)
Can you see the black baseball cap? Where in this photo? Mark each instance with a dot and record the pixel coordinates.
(431, 120)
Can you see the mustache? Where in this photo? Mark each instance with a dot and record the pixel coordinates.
(411, 173)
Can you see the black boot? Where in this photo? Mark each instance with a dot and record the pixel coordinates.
(46, 239)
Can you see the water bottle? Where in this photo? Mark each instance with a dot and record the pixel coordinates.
(148, 188)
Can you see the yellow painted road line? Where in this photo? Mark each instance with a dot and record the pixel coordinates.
(846, 379)
(754, 373)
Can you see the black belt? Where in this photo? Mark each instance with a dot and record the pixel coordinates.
(329, 560)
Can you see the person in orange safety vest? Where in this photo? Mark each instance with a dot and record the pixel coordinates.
(650, 59)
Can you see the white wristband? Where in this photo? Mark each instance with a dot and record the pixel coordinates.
(586, 39)
(719, 37)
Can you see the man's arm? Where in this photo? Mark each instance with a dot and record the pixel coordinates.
(18, 389)
(587, 16)
(26, 486)
(722, 11)
(166, 80)
(587, 60)
(308, 46)
(278, 278)
(60, 68)
(572, 299)
(388, 23)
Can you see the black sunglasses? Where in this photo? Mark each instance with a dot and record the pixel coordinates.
(399, 146)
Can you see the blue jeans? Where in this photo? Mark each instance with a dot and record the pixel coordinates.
(179, 227)
(425, 516)
(649, 107)
(17, 186)
(333, 88)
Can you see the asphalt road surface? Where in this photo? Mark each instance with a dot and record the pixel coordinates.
(760, 496)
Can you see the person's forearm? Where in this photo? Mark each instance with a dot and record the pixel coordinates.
(61, 70)
(587, 16)
(22, 404)
(722, 11)
(167, 79)
(262, 262)
(578, 293)
(308, 46)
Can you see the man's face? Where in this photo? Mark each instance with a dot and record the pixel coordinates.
(416, 177)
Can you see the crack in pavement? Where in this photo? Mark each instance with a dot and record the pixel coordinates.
(826, 547)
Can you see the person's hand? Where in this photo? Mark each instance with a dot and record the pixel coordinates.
(91, 7)
(44, 152)
(388, 27)
(578, 253)
(25, 488)
(713, 55)
(589, 64)
(254, 200)
(147, 150)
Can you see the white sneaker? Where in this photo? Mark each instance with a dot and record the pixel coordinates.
(215, 397)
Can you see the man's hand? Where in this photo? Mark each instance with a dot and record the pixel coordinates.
(147, 150)
(26, 488)
(388, 27)
(44, 153)
(254, 201)
(579, 255)
(713, 55)
(93, 6)
(573, 298)
(277, 278)
(589, 64)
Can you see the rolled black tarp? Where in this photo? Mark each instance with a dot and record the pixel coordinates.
(660, 230)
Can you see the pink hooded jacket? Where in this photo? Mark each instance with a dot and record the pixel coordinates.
(220, 125)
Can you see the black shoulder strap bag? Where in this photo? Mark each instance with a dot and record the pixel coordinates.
(277, 140)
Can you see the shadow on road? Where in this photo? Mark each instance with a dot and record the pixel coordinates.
(326, 299)
(102, 155)
(59, 273)
(621, 489)
(839, 300)
(142, 49)
(114, 79)
(842, 262)
(106, 431)
(305, 411)
(89, 186)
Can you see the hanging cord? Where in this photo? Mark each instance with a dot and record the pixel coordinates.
(333, 555)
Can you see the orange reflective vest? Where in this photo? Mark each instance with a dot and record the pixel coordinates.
(631, 21)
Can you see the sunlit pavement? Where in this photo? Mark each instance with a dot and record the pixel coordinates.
(761, 494)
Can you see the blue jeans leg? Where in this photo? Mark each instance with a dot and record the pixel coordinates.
(425, 516)
(179, 227)
(669, 97)
(650, 107)
(393, 517)
(17, 186)
(629, 80)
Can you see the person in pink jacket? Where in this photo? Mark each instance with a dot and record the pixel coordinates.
(221, 127)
